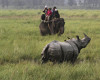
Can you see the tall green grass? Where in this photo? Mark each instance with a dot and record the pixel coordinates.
(21, 45)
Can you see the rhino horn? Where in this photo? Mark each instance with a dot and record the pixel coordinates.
(77, 37)
(85, 35)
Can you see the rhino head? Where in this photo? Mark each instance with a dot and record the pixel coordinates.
(81, 43)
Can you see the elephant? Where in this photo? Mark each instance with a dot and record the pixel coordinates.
(52, 27)
(68, 50)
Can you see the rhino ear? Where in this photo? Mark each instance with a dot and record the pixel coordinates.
(68, 37)
(64, 40)
(77, 37)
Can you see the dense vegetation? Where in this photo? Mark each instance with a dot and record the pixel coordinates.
(39, 4)
(21, 45)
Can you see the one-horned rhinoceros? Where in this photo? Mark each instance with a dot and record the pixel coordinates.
(68, 50)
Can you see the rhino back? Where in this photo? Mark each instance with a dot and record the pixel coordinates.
(54, 48)
(66, 47)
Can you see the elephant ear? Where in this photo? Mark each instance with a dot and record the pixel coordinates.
(77, 37)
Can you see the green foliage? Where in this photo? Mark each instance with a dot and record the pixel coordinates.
(21, 45)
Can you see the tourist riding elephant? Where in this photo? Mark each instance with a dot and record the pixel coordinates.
(52, 27)
(69, 50)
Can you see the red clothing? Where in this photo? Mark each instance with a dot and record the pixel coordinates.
(49, 13)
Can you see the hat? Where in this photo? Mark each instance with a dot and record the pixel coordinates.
(56, 9)
(45, 6)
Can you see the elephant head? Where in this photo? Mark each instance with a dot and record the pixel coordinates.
(58, 26)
